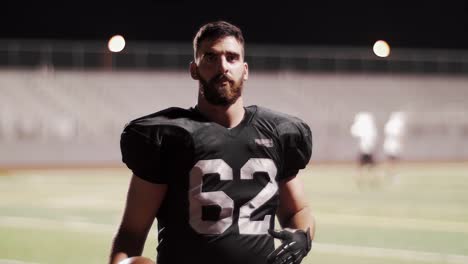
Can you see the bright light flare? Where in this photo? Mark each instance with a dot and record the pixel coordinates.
(381, 48)
(116, 43)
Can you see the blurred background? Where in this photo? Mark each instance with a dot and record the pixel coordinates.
(73, 74)
(65, 96)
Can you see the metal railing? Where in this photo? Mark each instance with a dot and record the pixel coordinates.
(176, 56)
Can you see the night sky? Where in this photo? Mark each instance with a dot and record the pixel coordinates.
(425, 24)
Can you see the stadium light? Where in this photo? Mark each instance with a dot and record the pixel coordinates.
(116, 43)
(381, 48)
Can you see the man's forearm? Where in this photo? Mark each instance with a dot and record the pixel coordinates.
(302, 219)
(126, 245)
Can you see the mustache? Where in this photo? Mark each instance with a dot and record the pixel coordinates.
(221, 77)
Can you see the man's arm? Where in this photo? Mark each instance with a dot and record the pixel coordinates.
(294, 211)
(142, 205)
(295, 217)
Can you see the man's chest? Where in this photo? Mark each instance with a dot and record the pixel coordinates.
(236, 148)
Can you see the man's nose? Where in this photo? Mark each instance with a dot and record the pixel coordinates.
(223, 65)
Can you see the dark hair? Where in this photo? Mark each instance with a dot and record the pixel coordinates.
(217, 30)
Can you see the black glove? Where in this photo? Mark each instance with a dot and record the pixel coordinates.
(295, 246)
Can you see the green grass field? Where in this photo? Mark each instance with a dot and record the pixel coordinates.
(69, 216)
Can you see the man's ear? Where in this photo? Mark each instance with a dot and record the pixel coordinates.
(246, 71)
(194, 70)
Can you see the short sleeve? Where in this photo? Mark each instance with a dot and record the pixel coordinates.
(296, 139)
(142, 151)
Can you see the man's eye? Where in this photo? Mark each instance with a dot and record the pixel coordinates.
(231, 57)
(210, 58)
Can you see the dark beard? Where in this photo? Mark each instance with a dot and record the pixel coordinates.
(221, 96)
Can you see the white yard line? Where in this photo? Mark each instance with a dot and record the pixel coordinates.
(394, 222)
(411, 255)
(14, 261)
(358, 251)
(47, 224)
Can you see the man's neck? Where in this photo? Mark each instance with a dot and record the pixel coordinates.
(227, 116)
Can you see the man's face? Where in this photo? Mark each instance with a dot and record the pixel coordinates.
(221, 70)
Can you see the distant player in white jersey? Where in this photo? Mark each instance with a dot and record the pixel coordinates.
(365, 130)
(393, 145)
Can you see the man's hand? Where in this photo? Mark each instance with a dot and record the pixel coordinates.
(137, 260)
(295, 245)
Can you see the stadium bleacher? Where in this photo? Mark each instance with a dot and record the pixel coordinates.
(46, 111)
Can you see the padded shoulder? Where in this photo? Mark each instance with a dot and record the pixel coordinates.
(295, 137)
(146, 140)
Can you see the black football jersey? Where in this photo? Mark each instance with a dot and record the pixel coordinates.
(222, 183)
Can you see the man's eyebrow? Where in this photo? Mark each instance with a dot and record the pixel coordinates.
(216, 53)
(233, 53)
(208, 53)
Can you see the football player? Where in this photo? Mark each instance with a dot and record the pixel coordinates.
(215, 175)
(365, 130)
(393, 144)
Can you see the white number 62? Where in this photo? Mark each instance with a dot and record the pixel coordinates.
(197, 198)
